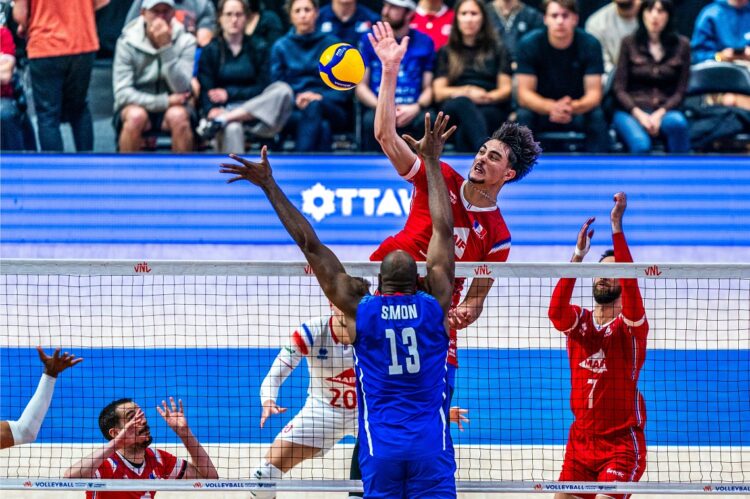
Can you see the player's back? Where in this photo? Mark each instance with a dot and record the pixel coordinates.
(400, 358)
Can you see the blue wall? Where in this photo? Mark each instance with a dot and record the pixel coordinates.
(519, 397)
(159, 199)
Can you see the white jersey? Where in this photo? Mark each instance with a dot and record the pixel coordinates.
(330, 363)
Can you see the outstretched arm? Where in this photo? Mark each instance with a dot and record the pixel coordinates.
(286, 361)
(562, 314)
(130, 434)
(25, 430)
(340, 288)
(390, 54)
(632, 303)
(441, 258)
(200, 465)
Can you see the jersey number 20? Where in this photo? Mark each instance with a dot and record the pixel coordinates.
(409, 339)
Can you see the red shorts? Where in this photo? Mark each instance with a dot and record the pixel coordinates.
(619, 457)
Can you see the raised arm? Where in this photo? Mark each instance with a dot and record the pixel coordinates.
(632, 303)
(26, 428)
(390, 54)
(441, 257)
(562, 314)
(341, 289)
(130, 434)
(200, 465)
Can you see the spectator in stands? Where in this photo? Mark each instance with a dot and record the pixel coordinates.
(151, 74)
(233, 75)
(62, 45)
(722, 32)
(560, 77)
(610, 25)
(650, 81)
(294, 59)
(473, 78)
(346, 20)
(434, 19)
(11, 131)
(197, 16)
(263, 23)
(414, 86)
(512, 20)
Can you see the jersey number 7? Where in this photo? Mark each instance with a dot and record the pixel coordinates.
(409, 339)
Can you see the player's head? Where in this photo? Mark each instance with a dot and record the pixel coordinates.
(606, 289)
(398, 273)
(397, 13)
(116, 414)
(507, 156)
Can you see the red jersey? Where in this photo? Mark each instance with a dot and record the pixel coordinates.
(7, 46)
(157, 464)
(437, 26)
(479, 234)
(605, 360)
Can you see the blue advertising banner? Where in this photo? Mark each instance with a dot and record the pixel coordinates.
(358, 200)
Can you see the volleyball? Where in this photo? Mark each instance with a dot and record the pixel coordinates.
(341, 66)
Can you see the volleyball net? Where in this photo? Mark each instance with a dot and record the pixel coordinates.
(208, 333)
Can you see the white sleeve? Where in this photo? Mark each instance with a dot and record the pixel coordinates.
(27, 427)
(286, 361)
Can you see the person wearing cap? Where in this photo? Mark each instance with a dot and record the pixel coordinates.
(151, 76)
(414, 86)
(198, 17)
(62, 45)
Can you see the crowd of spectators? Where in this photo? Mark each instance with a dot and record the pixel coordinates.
(224, 74)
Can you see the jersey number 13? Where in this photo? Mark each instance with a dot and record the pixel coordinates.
(408, 339)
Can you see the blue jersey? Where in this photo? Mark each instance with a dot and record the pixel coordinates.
(418, 59)
(400, 355)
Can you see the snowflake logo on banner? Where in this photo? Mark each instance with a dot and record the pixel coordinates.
(318, 202)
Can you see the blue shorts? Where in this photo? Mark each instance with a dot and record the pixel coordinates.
(430, 477)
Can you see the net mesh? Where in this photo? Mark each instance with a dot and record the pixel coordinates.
(208, 334)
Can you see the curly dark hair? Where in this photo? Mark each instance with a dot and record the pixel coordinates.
(524, 150)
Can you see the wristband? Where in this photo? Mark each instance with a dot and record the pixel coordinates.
(582, 253)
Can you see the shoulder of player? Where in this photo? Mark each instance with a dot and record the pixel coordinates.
(315, 328)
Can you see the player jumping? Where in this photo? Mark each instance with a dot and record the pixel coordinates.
(606, 349)
(400, 338)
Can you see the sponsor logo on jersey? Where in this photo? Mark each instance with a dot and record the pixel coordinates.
(348, 378)
(597, 363)
(323, 353)
(460, 237)
(618, 474)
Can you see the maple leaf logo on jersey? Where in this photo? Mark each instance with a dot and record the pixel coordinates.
(453, 197)
(348, 378)
(597, 363)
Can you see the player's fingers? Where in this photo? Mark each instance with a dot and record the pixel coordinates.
(410, 141)
(56, 355)
(450, 132)
(264, 154)
(181, 408)
(76, 361)
(234, 179)
(263, 420)
(387, 29)
(376, 30)
(280, 410)
(241, 160)
(591, 234)
(404, 42)
(40, 352)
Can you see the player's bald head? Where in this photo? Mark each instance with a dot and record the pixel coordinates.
(398, 273)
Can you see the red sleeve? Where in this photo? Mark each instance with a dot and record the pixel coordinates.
(632, 304)
(7, 45)
(563, 315)
(105, 470)
(172, 467)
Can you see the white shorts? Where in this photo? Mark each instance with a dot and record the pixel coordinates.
(320, 426)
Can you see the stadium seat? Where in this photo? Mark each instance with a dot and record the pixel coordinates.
(712, 77)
